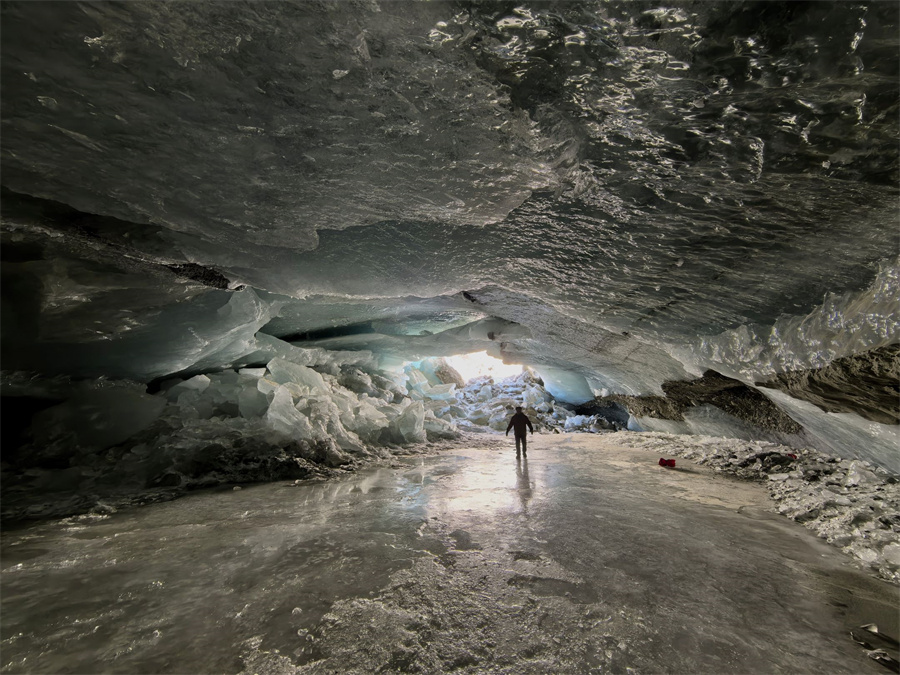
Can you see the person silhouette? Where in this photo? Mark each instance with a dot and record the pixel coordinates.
(518, 423)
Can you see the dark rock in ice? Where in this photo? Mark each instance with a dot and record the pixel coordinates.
(867, 384)
(725, 393)
(205, 275)
(447, 374)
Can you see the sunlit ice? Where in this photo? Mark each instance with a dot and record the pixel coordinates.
(479, 364)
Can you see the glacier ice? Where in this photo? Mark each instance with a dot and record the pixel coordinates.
(566, 385)
(280, 420)
(613, 228)
(852, 504)
(844, 434)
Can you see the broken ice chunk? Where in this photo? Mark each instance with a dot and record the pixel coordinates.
(283, 372)
(410, 425)
(486, 393)
(532, 397)
(252, 402)
(858, 474)
(197, 384)
(284, 418)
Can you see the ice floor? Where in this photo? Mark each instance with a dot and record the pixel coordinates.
(585, 557)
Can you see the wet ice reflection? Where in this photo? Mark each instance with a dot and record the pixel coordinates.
(466, 559)
(501, 487)
(163, 588)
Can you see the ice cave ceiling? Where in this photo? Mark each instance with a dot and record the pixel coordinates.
(627, 191)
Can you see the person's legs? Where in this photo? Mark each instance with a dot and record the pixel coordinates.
(524, 440)
(518, 450)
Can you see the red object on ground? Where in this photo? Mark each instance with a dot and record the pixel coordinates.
(792, 455)
(666, 462)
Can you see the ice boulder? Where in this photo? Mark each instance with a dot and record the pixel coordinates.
(325, 417)
(368, 421)
(252, 402)
(197, 384)
(486, 393)
(286, 372)
(284, 418)
(532, 397)
(859, 474)
(410, 425)
(442, 392)
(577, 422)
(499, 421)
(436, 428)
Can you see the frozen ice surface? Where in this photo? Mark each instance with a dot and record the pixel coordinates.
(585, 556)
(850, 503)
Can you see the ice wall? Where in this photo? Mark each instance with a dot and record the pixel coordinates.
(844, 324)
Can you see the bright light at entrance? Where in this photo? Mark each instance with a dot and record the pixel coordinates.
(480, 364)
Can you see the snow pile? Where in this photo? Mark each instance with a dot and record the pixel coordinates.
(850, 503)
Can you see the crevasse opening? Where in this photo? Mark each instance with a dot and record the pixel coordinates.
(481, 364)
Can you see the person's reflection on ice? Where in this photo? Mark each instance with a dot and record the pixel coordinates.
(523, 483)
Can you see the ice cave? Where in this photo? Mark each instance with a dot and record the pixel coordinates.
(276, 275)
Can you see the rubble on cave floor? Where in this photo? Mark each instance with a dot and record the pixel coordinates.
(848, 502)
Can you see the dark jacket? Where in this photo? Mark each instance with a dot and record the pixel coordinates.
(518, 422)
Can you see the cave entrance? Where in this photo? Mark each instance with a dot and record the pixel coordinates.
(479, 364)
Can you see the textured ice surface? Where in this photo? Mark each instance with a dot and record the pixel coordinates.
(623, 193)
(850, 503)
(587, 555)
(842, 325)
(846, 435)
